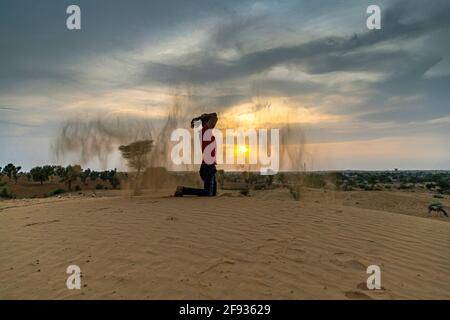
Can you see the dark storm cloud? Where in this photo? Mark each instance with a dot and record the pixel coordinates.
(290, 88)
(402, 71)
(35, 43)
(228, 33)
(331, 133)
(397, 25)
(433, 100)
(383, 61)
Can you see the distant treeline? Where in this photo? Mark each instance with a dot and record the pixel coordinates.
(434, 181)
(67, 175)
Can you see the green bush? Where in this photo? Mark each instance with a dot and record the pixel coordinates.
(346, 187)
(259, 186)
(315, 180)
(114, 181)
(57, 191)
(405, 186)
(6, 194)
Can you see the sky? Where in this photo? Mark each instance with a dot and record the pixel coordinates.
(360, 99)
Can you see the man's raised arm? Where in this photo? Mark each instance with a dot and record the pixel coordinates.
(208, 119)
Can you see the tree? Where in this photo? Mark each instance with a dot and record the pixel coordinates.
(39, 174)
(7, 170)
(104, 175)
(11, 171)
(281, 178)
(269, 180)
(113, 178)
(59, 171)
(85, 175)
(16, 173)
(49, 171)
(443, 185)
(71, 174)
(94, 175)
(136, 155)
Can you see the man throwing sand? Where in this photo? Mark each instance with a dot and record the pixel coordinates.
(208, 166)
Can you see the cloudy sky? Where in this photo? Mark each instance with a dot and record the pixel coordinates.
(364, 99)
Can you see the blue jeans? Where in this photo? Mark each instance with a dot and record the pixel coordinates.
(208, 175)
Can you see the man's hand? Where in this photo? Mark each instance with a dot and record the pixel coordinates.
(193, 122)
(207, 118)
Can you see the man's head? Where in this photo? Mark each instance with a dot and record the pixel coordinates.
(211, 121)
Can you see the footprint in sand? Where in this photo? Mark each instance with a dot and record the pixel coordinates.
(43, 222)
(356, 295)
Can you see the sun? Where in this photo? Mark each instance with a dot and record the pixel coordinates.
(243, 149)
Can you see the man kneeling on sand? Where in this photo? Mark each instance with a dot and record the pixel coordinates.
(208, 167)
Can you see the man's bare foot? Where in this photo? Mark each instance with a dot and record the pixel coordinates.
(179, 192)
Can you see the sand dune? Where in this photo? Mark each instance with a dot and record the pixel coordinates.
(266, 246)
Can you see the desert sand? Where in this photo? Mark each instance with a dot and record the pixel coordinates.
(266, 246)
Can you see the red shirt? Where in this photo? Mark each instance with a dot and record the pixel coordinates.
(207, 142)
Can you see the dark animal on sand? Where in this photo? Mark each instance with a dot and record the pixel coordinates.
(436, 206)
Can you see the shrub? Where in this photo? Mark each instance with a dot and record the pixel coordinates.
(57, 191)
(443, 184)
(430, 186)
(259, 186)
(295, 192)
(245, 192)
(6, 194)
(114, 181)
(337, 178)
(346, 187)
(315, 180)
